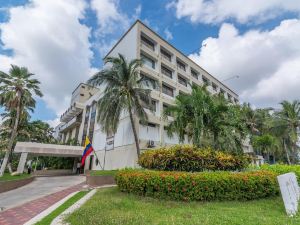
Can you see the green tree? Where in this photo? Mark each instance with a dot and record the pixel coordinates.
(287, 123)
(265, 144)
(16, 95)
(124, 91)
(207, 120)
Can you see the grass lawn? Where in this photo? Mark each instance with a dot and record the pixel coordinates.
(48, 219)
(109, 206)
(103, 172)
(7, 177)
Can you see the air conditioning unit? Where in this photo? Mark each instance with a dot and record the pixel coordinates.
(151, 144)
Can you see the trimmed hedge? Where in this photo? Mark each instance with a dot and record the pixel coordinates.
(281, 169)
(204, 186)
(191, 159)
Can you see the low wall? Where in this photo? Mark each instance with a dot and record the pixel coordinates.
(99, 180)
(53, 172)
(13, 184)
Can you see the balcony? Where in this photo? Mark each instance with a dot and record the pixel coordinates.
(75, 109)
(76, 121)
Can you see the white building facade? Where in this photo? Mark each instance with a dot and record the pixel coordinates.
(169, 68)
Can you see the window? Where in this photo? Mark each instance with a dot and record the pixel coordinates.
(214, 86)
(147, 42)
(180, 65)
(148, 61)
(165, 71)
(148, 105)
(149, 82)
(194, 74)
(229, 96)
(222, 91)
(205, 80)
(85, 125)
(92, 121)
(182, 81)
(236, 100)
(167, 90)
(165, 55)
(165, 107)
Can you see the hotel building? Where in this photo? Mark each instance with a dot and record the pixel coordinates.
(164, 65)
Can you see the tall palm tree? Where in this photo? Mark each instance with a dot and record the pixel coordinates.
(190, 113)
(16, 94)
(288, 123)
(124, 91)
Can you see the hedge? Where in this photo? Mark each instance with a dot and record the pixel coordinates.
(203, 186)
(281, 169)
(191, 159)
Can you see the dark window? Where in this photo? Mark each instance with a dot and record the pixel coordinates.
(165, 107)
(167, 90)
(85, 125)
(149, 82)
(205, 80)
(148, 61)
(165, 71)
(165, 55)
(92, 121)
(81, 94)
(151, 125)
(148, 105)
(222, 91)
(194, 74)
(180, 65)
(182, 81)
(214, 86)
(147, 42)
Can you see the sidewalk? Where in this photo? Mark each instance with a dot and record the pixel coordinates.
(21, 214)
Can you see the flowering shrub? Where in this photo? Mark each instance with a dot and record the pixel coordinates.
(281, 169)
(206, 186)
(192, 159)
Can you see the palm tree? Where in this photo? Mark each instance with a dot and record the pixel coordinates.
(190, 114)
(124, 91)
(288, 123)
(16, 94)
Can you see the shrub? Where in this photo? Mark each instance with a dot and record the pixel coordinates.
(281, 169)
(192, 159)
(205, 186)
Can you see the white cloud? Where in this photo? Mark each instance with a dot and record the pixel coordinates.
(47, 37)
(243, 11)
(168, 34)
(53, 123)
(109, 17)
(266, 61)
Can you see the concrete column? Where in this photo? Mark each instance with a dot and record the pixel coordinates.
(22, 162)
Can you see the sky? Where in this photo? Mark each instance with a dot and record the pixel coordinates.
(63, 41)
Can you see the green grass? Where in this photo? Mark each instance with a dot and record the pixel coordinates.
(7, 177)
(103, 172)
(109, 206)
(49, 218)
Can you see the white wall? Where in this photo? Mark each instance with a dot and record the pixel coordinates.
(149, 133)
(127, 46)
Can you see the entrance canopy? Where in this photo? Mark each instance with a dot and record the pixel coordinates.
(40, 149)
(48, 149)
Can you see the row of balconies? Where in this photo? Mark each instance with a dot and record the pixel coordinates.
(177, 64)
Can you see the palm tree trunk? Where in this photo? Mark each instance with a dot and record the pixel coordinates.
(286, 152)
(138, 151)
(12, 138)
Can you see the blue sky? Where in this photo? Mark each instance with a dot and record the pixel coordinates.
(63, 42)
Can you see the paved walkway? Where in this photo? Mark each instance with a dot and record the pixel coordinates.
(40, 187)
(22, 213)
